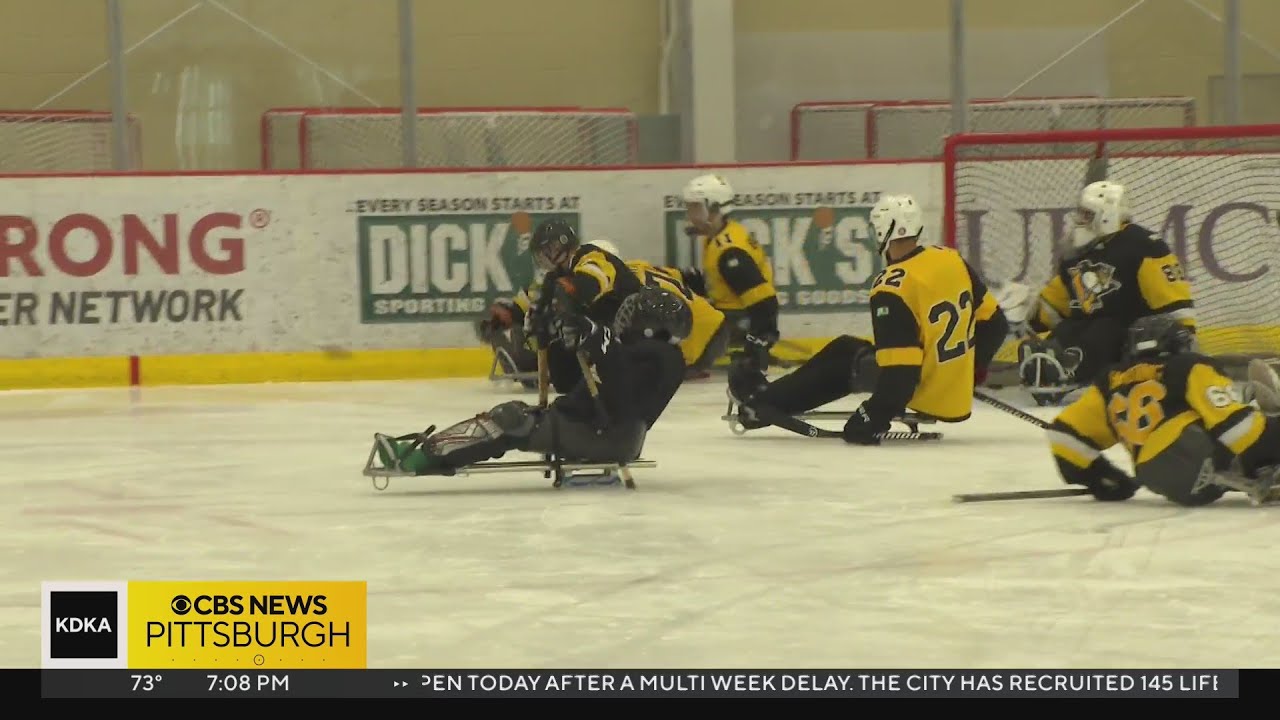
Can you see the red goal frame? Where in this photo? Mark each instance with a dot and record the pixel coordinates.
(954, 144)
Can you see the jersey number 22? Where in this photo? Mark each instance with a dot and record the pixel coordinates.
(949, 346)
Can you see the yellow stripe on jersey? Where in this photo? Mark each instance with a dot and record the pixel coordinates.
(887, 357)
(1165, 289)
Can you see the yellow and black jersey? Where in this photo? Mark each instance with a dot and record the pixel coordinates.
(1130, 275)
(736, 269)
(1146, 405)
(706, 319)
(934, 323)
(598, 281)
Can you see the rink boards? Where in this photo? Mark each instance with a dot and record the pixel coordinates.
(232, 278)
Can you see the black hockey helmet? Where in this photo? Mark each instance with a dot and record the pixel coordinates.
(554, 242)
(1159, 336)
(652, 312)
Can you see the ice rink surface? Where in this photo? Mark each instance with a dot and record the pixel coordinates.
(769, 550)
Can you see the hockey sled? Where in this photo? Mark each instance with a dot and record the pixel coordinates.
(498, 374)
(561, 472)
(799, 424)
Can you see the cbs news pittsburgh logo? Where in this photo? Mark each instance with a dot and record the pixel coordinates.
(204, 625)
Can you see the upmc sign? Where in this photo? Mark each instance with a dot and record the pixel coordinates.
(1218, 213)
(1232, 242)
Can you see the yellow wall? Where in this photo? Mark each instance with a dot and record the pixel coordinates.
(200, 86)
(1164, 47)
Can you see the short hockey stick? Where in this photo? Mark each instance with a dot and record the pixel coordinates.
(1003, 406)
(594, 389)
(800, 427)
(1019, 495)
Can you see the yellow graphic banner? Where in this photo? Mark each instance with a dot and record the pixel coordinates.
(217, 625)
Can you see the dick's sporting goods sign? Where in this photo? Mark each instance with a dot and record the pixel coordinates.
(443, 266)
(821, 245)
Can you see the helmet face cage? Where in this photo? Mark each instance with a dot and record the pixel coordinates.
(655, 314)
(553, 245)
(1158, 336)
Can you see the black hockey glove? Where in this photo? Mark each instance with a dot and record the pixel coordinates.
(747, 366)
(695, 280)
(1108, 483)
(861, 428)
(580, 333)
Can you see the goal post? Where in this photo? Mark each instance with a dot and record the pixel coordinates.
(480, 137)
(62, 141)
(1212, 193)
(915, 129)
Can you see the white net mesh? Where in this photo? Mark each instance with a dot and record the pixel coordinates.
(526, 137)
(1210, 192)
(61, 142)
(915, 129)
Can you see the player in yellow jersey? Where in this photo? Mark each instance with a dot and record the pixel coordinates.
(709, 337)
(1114, 273)
(936, 329)
(502, 328)
(736, 274)
(1190, 437)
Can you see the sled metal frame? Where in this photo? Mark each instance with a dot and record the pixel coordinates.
(554, 469)
(497, 374)
(911, 420)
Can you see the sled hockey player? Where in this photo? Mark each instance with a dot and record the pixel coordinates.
(936, 330)
(1114, 272)
(590, 273)
(1173, 411)
(639, 368)
(736, 274)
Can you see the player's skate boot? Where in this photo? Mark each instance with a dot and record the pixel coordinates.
(405, 452)
(743, 386)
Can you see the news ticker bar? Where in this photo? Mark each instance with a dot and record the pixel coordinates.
(446, 684)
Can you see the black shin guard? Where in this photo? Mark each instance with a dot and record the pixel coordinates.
(837, 370)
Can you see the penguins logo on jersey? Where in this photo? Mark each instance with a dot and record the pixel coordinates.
(1090, 282)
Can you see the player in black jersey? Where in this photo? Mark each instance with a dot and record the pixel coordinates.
(1114, 273)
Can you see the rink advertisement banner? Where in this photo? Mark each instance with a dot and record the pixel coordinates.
(651, 683)
(203, 264)
(222, 625)
(821, 245)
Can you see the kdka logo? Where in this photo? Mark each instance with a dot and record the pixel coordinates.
(83, 624)
(445, 267)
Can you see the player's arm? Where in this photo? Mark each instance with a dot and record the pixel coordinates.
(1077, 438)
(758, 296)
(899, 355)
(591, 278)
(1163, 284)
(1055, 304)
(1240, 428)
(991, 326)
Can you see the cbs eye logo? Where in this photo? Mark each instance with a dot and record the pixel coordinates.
(180, 605)
(207, 605)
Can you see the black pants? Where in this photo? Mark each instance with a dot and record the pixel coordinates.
(1100, 340)
(637, 382)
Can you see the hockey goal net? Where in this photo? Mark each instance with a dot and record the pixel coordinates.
(354, 138)
(1210, 192)
(916, 129)
(62, 142)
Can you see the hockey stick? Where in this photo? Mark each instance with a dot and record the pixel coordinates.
(793, 424)
(1003, 406)
(593, 388)
(1019, 495)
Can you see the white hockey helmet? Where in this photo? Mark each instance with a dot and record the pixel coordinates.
(712, 191)
(1103, 210)
(606, 246)
(896, 217)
